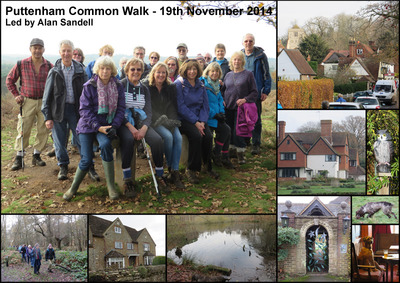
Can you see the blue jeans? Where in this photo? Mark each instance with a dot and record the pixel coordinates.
(60, 134)
(172, 145)
(86, 141)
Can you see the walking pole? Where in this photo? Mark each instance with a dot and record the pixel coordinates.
(151, 168)
(22, 137)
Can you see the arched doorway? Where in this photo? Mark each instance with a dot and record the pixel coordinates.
(317, 249)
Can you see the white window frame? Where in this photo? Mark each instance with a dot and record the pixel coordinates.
(129, 246)
(117, 246)
(146, 247)
(117, 230)
(118, 260)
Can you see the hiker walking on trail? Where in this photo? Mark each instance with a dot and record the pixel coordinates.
(29, 253)
(38, 257)
(23, 252)
(32, 73)
(50, 255)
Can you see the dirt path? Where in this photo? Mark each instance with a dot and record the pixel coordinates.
(24, 272)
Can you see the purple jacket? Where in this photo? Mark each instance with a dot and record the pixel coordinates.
(247, 117)
(90, 121)
(192, 101)
(237, 86)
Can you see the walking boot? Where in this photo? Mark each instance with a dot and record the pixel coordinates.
(241, 158)
(217, 158)
(162, 185)
(79, 175)
(63, 174)
(36, 160)
(109, 172)
(52, 153)
(227, 162)
(129, 188)
(176, 179)
(93, 174)
(255, 150)
(233, 153)
(192, 178)
(17, 163)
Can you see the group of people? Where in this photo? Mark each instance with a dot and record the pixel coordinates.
(158, 102)
(33, 256)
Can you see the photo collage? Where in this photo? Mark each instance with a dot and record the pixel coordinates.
(210, 141)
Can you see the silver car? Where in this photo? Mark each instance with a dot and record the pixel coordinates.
(345, 105)
(369, 102)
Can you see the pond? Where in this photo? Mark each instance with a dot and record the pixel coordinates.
(247, 248)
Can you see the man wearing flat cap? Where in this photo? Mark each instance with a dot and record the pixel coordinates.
(32, 73)
(182, 52)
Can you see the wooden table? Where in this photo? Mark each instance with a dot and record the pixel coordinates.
(390, 261)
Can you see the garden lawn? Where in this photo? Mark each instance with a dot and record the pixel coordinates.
(378, 217)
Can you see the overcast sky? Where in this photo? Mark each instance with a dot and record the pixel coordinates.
(155, 32)
(296, 118)
(155, 224)
(300, 12)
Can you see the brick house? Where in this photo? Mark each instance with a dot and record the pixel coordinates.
(307, 155)
(111, 243)
(322, 236)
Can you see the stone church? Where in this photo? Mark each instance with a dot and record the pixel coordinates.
(324, 245)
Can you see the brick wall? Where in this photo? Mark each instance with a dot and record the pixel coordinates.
(301, 158)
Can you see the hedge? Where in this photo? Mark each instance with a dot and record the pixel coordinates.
(350, 88)
(305, 94)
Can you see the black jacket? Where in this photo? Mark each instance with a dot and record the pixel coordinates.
(55, 91)
(50, 254)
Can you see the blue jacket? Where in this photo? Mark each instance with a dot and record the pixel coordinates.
(192, 101)
(215, 101)
(89, 69)
(341, 99)
(261, 71)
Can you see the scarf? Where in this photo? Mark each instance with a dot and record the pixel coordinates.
(214, 84)
(108, 98)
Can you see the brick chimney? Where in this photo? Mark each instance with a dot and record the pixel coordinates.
(352, 48)
(308, 58)
(326, 130)
(282, 126)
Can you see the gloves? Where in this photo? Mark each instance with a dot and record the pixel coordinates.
(111, 132)
(170, 124)
(220, 117)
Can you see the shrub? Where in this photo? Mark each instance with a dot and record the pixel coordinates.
(350, 88)
(305, 94)
(159, 260)
(142, 271)
(287, 237)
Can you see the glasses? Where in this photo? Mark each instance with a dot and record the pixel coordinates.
(171, 64)
(248, 41)
(153, 57)
(207, 58)
(76, 54)
(134, 69)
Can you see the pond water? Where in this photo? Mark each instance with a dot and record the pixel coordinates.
(248, 249)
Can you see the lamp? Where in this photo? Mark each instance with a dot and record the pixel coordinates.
(346, 224)
(285, 220)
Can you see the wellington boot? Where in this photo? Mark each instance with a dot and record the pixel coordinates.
(109, 172)
(241, 158)
(79, 175)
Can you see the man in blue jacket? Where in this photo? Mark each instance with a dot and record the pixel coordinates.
(257, 62)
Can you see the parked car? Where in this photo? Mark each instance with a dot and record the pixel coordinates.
(369, 102)
(345, 105)
(362, 93)
(385, 91)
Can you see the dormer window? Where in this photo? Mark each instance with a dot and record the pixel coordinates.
(359, 51)
(117, 230)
